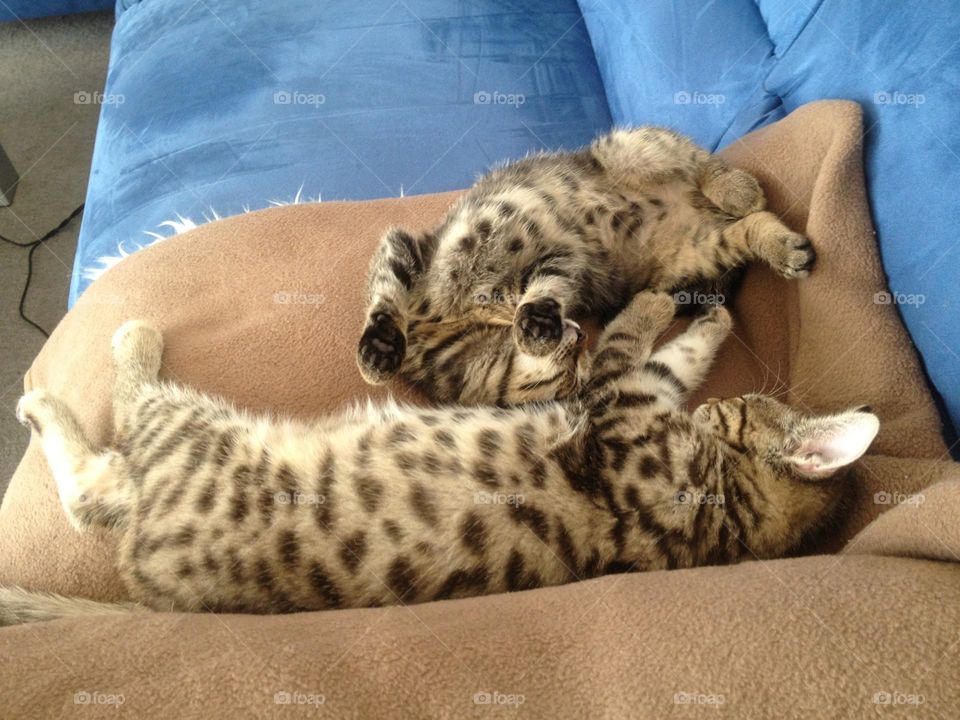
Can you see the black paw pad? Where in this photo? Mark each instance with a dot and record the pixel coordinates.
(799, 257)
(539, 325)
(382, 347)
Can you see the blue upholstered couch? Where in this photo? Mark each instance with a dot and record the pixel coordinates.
(217, 106)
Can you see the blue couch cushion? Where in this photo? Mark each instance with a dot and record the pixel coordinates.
(220, 106)
(693, 65)
(25, 9)
(764, 58)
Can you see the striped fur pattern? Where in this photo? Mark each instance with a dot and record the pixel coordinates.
(479, 310)
(219, 510)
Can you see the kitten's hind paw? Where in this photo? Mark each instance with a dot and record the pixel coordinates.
(795, 257)
(717, 318)
(381, 350)
(538, 326)
(737, 193)
(655, 309)
(30, 409)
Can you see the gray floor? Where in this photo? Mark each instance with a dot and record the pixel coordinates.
(49, 137)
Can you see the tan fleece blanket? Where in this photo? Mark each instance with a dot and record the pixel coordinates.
(265, 309)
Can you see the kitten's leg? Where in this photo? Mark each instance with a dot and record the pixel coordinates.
(732, 190)
(636, 157)
(137, 350)
(688, 357)
(763, 236)
(538, 323)
(399, 262)
(650, 155)
(625, 344)
(92, 486)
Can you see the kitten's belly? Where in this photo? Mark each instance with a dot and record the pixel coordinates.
(376, 514)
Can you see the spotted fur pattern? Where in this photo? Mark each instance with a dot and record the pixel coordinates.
(220, 510)
(479, 310)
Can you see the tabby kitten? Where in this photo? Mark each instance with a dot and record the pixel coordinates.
(220, 510)
(477, 310)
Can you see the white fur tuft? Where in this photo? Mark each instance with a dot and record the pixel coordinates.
(176, 227)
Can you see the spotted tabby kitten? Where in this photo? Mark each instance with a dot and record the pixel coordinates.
(477, 310)
(219, 510)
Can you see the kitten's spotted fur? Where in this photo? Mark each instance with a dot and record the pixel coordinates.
(219, 510)
(477, 311)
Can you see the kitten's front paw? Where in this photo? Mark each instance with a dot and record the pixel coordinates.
(795, 257)
(381, 350)
(538, 326)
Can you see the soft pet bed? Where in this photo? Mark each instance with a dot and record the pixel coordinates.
(265, 308)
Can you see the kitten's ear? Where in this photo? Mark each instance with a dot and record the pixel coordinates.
(826, 444)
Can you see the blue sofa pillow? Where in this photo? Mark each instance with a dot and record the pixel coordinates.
(692, 65)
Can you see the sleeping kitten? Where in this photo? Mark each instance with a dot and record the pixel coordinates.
(220, 510)
(477, 311)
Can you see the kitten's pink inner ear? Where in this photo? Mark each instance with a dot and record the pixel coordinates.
(829, 444)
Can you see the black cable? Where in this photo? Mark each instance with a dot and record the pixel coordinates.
(33, 245)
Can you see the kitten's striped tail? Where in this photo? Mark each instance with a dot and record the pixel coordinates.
(18, 606)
